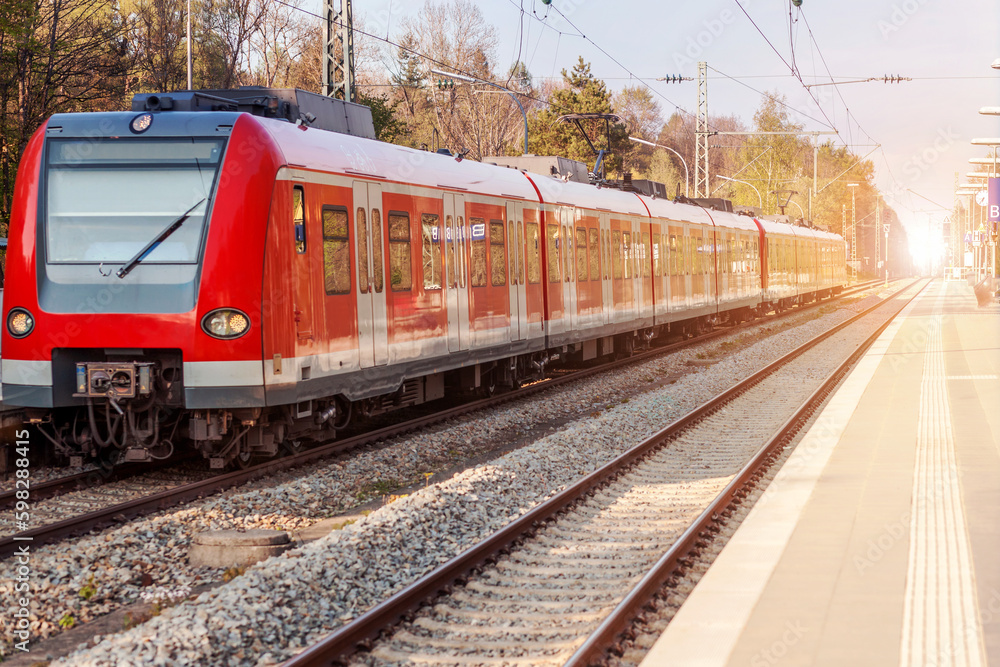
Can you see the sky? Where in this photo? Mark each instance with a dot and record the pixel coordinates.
(918, 131)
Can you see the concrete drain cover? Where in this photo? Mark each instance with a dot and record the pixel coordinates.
(226, 548)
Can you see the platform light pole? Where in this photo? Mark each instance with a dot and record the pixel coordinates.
(687, 185)
(472, 79)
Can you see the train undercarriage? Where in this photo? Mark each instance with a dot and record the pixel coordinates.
(134, 410)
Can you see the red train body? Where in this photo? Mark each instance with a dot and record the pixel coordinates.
(320, 275)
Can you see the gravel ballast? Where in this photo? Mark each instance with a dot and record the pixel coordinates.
(281, 605)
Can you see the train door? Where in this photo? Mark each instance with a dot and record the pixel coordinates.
(515, 260)
(457, 287)
(607, 291)
(303, 270)
(373, 329)
(566, 216)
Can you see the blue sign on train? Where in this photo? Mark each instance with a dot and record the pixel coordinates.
(479, 231)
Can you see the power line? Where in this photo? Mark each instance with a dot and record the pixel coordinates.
(397, 45)
(771, 97)
(617, 62)
(792, 69)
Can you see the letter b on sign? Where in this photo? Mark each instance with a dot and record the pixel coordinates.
(993, 192)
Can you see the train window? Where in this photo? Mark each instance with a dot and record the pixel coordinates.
(657, 256)
(400, 266)
(581, 254)
(299, 218)
(377, 250)
(478, 275)
(336, 251)
(607, 254)
(552, 253)
(595, 253)
(647, 255)
(450, 245)
(520, 252)
(568, 264)
(462, 266)
(360, 223)
(534, 255)
(498, 256)
(627, 254)
(616, 255)
(512, 229)
(431, 250)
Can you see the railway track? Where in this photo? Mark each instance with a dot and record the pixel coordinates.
(550, 587)
(172, 494)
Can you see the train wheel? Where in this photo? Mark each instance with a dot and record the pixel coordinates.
(292, 446)
(488, 384)
(243, 460)
(109, 457)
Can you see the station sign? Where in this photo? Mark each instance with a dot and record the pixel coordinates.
(993, 210)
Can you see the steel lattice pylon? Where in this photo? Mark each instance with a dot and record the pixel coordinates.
(338, 51)
(701, 135)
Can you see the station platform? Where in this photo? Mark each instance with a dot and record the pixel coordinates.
(878, 542)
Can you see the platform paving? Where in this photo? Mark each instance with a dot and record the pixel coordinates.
(878, 543)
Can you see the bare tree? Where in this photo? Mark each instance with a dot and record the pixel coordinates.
(55, 55)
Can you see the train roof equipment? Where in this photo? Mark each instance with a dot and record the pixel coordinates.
(288, 104)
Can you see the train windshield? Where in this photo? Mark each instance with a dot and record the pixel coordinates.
(106, 198)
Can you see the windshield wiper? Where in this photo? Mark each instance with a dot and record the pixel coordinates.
(151, 246)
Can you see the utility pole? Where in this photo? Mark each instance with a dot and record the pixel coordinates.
(813, 134)
(854, 229)
(701, 135)
(338, 64)
(878, 221)
(843, 219)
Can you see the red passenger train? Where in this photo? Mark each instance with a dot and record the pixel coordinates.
(195, 270)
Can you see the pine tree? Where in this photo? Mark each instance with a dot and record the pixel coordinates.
(582, 93)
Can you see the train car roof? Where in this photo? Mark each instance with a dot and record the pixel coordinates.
(664, 208)
(733, 221)
(366, 158)
(773, 227)
(583, 195)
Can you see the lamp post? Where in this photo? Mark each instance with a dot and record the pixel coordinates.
(760, 200)
(687, 188)
(472, 79)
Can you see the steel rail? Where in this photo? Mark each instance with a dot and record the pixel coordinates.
(361, 632)
(79, 481)
(120, 513)
(671, 566)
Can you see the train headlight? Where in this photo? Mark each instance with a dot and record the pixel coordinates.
(225, 323)
(20, 322)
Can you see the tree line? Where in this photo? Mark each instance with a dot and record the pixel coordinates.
(94, 55)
